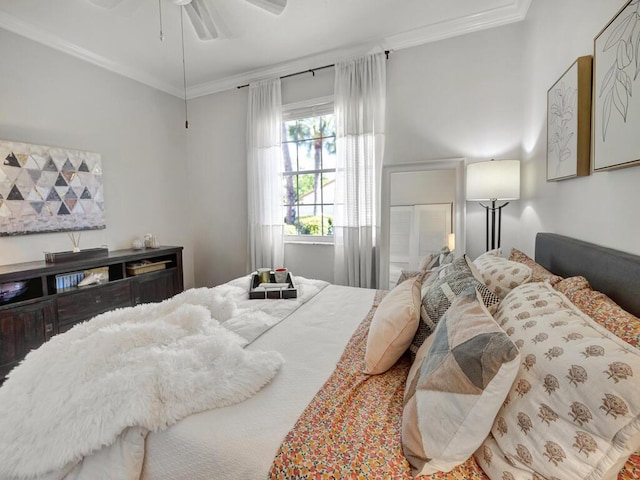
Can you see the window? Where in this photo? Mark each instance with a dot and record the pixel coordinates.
(309, 173)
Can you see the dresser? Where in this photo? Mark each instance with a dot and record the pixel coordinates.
(51, 305)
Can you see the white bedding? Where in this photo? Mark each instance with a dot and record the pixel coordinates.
(175, 357)
(239, 442)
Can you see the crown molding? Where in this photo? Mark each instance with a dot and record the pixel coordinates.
(511, 13)
(496, 17)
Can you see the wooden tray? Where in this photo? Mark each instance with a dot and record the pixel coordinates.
(256, 293)
(146, 267)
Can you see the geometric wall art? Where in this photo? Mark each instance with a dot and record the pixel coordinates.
(49, 189)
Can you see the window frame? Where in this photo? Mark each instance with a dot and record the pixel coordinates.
(293, 111)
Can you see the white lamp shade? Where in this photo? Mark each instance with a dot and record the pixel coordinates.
(494, 180)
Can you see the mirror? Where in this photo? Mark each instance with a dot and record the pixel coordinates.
(422, 203)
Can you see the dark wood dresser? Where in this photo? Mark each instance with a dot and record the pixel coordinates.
(47, 307)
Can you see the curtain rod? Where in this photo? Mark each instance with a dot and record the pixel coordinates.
(312, 71)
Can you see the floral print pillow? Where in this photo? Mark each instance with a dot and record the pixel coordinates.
(574, 408)
(501, 275)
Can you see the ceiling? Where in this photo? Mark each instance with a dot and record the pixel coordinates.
(308, 34)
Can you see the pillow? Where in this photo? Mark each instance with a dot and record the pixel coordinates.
(602, 309)
(574, 409)
(435, 259)
(538, 272)
(393, 326)
(449, 282)
(501, 275)
(407, 274)
(614, 318)
(457, 387)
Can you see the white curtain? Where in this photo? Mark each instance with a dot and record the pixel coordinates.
(264, 168)
(360, 91)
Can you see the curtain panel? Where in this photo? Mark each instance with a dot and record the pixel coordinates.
(360, 94)
(264, 169)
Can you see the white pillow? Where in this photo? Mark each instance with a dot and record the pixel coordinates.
(393, 326)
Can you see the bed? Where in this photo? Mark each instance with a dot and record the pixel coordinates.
(320, 416)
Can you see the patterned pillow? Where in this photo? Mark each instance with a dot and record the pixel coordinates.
(501, 275)
(457, 387)
(602, 309)
(538, 272)
(574, 409)
(450, 282)
(393, 326)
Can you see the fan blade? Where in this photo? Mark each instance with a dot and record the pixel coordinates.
(201, 20)
(273, 6)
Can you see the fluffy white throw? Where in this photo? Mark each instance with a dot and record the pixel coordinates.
(147, 366)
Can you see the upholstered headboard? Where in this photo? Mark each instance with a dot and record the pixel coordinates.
(614, 273)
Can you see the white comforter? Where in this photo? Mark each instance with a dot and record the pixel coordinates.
(131, 371)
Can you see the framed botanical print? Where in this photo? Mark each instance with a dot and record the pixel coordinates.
(616, 96)
(569, 122)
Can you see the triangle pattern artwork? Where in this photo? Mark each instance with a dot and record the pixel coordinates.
(49, 189)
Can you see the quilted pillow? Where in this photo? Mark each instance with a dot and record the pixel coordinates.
(501, 275)
(393, 326)
(538, 272)
(443, 288)
(614, 318)
(455, 389)
(574, 408)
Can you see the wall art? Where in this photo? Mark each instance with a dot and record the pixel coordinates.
(616, 116)
(49, 189)
(569, 122)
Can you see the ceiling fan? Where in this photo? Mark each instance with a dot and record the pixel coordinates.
(203, 14)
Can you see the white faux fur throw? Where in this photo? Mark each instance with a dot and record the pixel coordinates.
(146, 366)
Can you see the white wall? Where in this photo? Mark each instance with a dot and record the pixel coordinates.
(603, 207)
(50, 98)
(459, 97)
(218, 175)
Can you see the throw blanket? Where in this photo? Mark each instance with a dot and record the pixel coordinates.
(146, 367)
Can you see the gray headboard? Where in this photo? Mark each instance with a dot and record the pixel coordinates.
(614, 273)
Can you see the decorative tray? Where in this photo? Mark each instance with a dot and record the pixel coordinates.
(256, 292)
(61, 257)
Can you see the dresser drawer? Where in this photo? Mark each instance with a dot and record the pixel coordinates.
(83, 305)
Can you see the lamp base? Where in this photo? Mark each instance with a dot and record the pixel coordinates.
(493, 236)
